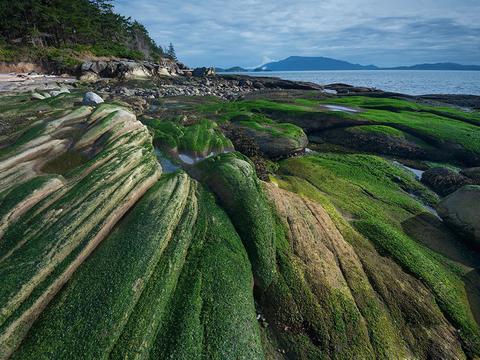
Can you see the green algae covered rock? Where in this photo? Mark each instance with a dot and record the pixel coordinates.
(232, 178)
(173, 281)
(375, 196)
(336, 297)
(53, 223)
(198, 139)
(274, 140)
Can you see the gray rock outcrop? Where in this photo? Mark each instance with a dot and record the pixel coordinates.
(461, 210)
(92, 99)
(128, 69)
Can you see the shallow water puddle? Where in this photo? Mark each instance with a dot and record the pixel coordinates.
(418, 173)
(168, 166)
(182, 160)
(340, 108)
(189, 159)
(330, 91)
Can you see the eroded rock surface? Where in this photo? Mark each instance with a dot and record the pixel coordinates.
(51, 223)
(375, 297)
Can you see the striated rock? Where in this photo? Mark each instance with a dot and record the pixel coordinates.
(172, 268)
(232, 178)
(51, 224)
(37, 96)
(461, 210)
(59, 92)
(444, 181)
(92, 99)
(374, 295)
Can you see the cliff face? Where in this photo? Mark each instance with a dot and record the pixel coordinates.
(339, 255)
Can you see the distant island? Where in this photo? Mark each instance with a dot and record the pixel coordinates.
(304, 63)
(232, 69)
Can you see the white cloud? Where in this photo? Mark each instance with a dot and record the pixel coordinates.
(388, 32)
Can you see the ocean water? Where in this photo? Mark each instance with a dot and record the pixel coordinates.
(415, 82)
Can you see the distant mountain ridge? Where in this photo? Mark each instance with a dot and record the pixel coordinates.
(437, 66)
(304, 63)
(232, 69)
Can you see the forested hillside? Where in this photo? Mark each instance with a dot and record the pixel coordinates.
(67, 30)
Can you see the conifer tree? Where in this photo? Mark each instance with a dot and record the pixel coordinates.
(171, 52)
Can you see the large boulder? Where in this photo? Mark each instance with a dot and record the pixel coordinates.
(274, 140)
(92, 99)
(277, 146)
(444, 181)
(461, 210)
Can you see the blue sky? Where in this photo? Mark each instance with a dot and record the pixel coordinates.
(250, 32)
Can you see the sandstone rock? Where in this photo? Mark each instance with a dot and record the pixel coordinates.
(127, 69)
(332, 265)
(91, 99)
(86, 66)
(79, 213)
(89, 76)
(461, 210)
(444, 181)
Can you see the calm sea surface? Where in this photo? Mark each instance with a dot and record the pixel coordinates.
(403, 81)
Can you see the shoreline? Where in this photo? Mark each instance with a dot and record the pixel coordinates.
(228, 86)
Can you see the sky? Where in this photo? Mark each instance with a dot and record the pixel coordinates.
(250, 33)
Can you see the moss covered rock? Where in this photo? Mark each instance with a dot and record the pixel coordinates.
(232, 178)
(53, 223)
(199, 140)
(274, 140)
(172, 281)
(336, 297)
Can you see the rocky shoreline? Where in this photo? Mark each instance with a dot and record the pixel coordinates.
(160, 82)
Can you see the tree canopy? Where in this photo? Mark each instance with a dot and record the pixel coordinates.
(70, 23)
